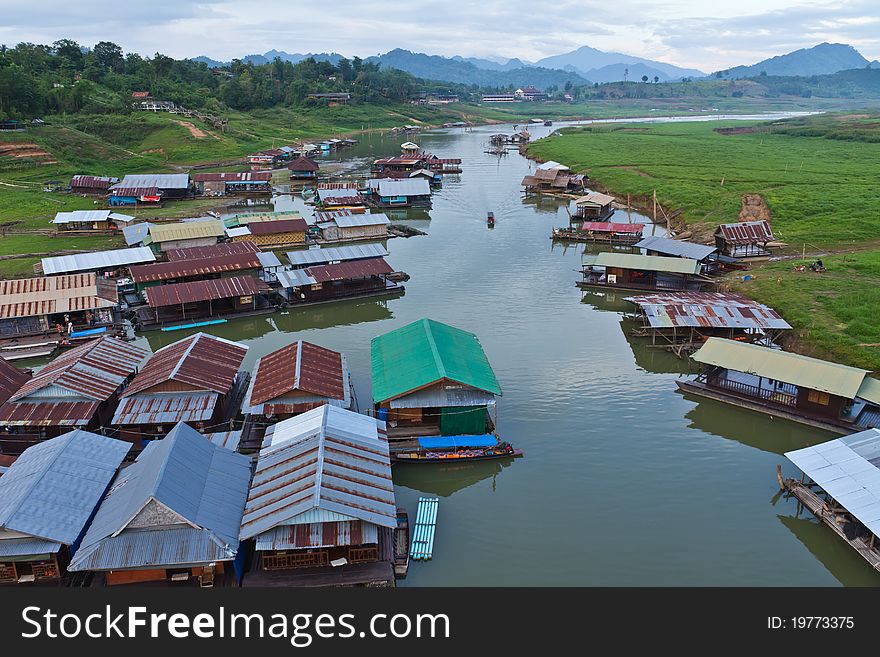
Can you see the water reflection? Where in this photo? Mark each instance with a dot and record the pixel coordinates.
(444, 480)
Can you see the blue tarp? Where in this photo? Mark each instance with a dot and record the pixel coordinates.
(457, 442)
(84, 333)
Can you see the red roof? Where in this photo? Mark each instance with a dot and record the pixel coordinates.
(135, 191)
(746, 232)
(161, 271)
(92, 182)
(247, 176)
(351, 269)
(297, 225)
(303, 164)
(212, 251)
(48, 413)
(194, 291)
(299, 366)
(608, 227)
(140, 94)
(11, 379)
(203, 361)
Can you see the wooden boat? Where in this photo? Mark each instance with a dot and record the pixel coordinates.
(401, 544)
(490, 219)
(548, 123)
(455, 449)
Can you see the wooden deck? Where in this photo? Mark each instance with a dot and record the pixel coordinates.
(375, 574)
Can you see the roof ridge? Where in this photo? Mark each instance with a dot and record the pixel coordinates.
(319, 466)
(429, 334)
(185, 354)
(298, 368)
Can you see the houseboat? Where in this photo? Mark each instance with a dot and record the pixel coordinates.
(168, 186)
(626, 271)
(347, 226)
(454, 449)
(341, 280)
(594, 206)
(185, 234)
(601, 232)
(400, 193)
(553, 178)
(227, 184)
(782, 384)
(711, 260)
(271, 234)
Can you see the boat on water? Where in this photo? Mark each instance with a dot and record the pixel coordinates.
(448, 449)
(548, 123)
(490, 219)
(401, 544)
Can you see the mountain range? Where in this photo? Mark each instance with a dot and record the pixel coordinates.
(819, 60)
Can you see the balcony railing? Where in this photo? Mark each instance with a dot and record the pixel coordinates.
(775, 396)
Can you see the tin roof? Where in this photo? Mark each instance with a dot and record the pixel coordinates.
(238, 231)
(46, 295)
(50, 413)
(677, 248)
(94, 370)
(87, 216)
(336, 254)
(179, 503)
(165, 408)
(424, 352)
(212, 251)
(247, 176)
(247, 218)
(798, 370)
(303, 164)
(337, 192)
(79, 262)
(137, 234)
(401, 186)
(11, 379)
(362, 219)
(52, 489)
(594, 198)
(609, 227)
(278, 226)
(694, 313)
(162, 271)
(93, 182)
(137, 192)
(847, 469)
(268, 260)
(299, 367)
(203, 361)
(228, 439)
(186, 230)
(327, 459)
(194, 291)
(646, 263)
(746, 232)
(160, 180)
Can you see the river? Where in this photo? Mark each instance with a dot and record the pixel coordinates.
(625, 481)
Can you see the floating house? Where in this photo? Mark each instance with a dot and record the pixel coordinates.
(628, 271)
(177, 271)
(342, 280)
(321, 507)
(271, 234)
(203, 300)
(91, 220)
(195, 380)
(11, 379)
(102, 263)
(400, 193)
(340, 196)
(292, 380)
(47, 498)
(594, 207)
(247, 218)
(303, 169)
(807, 390)
(226, 184)
(552, 177)
(712, 262)
(185, 234)
(744, 239)
(346, 226)
(601, 232)
(92, 185)
(79, 389)
(432, 379)
(211, 251)
(172, 517)
(167, 185)
(334, 254)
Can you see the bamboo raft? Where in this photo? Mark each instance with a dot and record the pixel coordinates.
(422, 540)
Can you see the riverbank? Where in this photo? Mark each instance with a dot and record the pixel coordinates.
(816, 176)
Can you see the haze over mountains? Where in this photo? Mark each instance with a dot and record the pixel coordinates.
(581, 66)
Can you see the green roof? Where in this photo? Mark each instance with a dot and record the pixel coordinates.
(645, 263)
(424, 352)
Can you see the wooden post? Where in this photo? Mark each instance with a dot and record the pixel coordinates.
(628, 208)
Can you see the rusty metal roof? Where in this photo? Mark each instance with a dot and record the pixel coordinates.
(247, 176)
(297, 225)
(162, 271)
(349, 269)
(609, 227)
(48, 413)
(708, 314)
(165, 408)
(303, 164)
(194, 291)
(94, 370)
(213, 251)
(301, 366)
(93, 182)
(11, 379)
(205, 362)
(28, 297)
(134, 191)
(746, 232)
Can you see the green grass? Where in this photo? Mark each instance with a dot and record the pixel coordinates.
(49, 244)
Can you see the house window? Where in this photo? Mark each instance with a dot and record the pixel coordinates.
(816, 397)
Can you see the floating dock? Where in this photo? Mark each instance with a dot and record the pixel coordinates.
(422, 541)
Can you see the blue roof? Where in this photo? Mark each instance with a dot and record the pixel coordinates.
(52, 489)
(192, 484)
(457, 442)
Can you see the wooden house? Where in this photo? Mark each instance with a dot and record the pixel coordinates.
(430, 379)
(594, 207)
(79, 389)
(226, 184)
(195, 269)
(167, 185)
(91, 220)
(303, 169)
(195, 380)
(346, 226)
(271, 234)
(47, 499)
(744, 239)
(341, 280)
(552, 177)
(601, 232)
(321, 508)
(787, 385)
(340, 196)
(400, 193)
(628, 271)
(91, 185)
(170, 518)
(185, 234)
(138, 196)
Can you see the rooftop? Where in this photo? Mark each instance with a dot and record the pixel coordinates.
(101, 260)
(194, 291)
(186, 230)
(677, 248)
(29, 297)
(644, 263)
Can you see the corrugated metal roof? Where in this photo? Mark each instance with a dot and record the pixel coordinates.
(609, 227)
(195, 291)
(847, 469)
(268, 259)
(647, 263)
(162, 271)
(227, 176)
(97, 260)
(30, 297)
(666, 311)
(51, 413)
(137, 233)
(303, 164)
(134, 192)
(338, 192)
(165, 408)
(202, 485)
(784, 366)
(227, 439)
(746, 232)
(238, 231)
(550, 164)
(327, 458)
(94, 370)
(318, 534)
(401, 186)
(93, 182)
(89, 216)
(247, 218)
(295, 278)
(432, 398)
(336, 254)
(212, 251)
(11, 379)
(362, 219)
(594, 198)
(303, 367)
(186, 230)
(22, 547)
(424, 352)
(160, 180)
(52, 489)
(870, 390)
(677, 248)
(297, 225)
(351, 269)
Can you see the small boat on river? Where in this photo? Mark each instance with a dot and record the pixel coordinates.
(401, 544)
(490, 219)
(446, 449)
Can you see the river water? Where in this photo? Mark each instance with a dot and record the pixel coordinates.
(624, 480)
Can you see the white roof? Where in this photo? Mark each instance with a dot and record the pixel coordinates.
(553, 165)
(409, 146)
(363, 219)
(86, 216)
(238, 232)
(401, 186)
(78, 262)
(268, 259)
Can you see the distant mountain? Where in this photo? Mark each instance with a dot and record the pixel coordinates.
(270, 56)
(594, 64)
(493, 63)
(446, 69)
(819, 60)
(212, 63)
(630, 72)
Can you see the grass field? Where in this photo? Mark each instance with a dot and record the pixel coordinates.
(818, 177)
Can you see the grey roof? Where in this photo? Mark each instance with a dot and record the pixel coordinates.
(678, 248)
(52, 489)
(160, 180)
(847, 469)
(338, 192)
(86, 216)
(307, 257)
(444, 398)
(295, 278)
(69, 264)
(362, 219)
(24, 547)
(401, 186)
(202, 486)
(268, 259)
(136, 233)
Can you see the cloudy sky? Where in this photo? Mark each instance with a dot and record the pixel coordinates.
(692, 33)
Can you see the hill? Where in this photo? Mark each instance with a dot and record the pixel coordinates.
(819, 60)
(589, 62)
